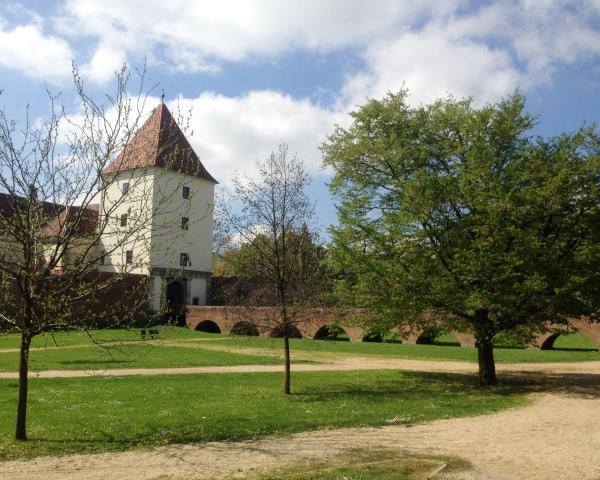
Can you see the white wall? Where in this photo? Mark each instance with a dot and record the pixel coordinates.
(136, 236)
(155, 206)
(168, 238)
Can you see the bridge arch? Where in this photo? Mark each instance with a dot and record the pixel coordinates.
(425, 339)
(208, 326)
(373, 337)
(549, 342)
(448, 339)
(332, 332)
(277, 332)
(245, 328)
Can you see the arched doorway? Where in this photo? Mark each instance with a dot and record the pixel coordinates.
(175, 293)
(208, 326)
(175, 296)
(332, 332)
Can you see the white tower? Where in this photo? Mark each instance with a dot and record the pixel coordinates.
(159, 205)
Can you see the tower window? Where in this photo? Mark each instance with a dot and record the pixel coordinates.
(185, 223)
(125, 187)
(129, 257)
(184, 260)
(124, 220)
(102, 258)
(185, 192)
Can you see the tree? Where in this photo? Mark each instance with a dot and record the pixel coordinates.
(272, 224)
(459, 212)
(65, 217)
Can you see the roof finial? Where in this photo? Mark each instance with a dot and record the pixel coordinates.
(162, 97)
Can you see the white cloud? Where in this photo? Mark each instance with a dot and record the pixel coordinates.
(455, 46)
(548, 35)
(104, 63)
(231, 133)
(543, 34)
(192, 34)
(432, 64)
(25, 48)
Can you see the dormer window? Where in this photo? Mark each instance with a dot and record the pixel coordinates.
(185, 192)
(125, 187)
(185, 223)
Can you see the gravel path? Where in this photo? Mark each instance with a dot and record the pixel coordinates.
(556, 437)
(353, 363)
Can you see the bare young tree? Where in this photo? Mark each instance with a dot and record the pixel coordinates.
(81, 209)
(272, 221)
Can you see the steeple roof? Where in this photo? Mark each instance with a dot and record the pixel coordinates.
(160, 143)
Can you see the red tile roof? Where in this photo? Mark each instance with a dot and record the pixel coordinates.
(160, 143)
(56, 217)
(88, 221)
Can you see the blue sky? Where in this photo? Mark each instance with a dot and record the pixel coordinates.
(258, 73)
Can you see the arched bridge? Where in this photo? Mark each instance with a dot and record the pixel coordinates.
(319, 324)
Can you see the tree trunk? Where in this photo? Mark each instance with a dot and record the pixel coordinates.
(286, 376)
(20, 433)
(484, 335)
(487, 366)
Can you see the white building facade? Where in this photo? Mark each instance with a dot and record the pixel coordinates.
(157, 205)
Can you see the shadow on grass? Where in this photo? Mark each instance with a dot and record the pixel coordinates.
(585, 385)
(446, 344)
(567, 349)
(580, 384)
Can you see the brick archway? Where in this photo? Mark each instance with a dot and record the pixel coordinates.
(277, 332)
(245, 328)
(208, 326)
(226, 318)
(332, 332)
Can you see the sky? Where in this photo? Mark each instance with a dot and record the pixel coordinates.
(258, 73)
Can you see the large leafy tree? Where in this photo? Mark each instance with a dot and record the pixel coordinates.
(460, 212)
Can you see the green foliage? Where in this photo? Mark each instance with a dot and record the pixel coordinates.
(458, 210)
(305, 256)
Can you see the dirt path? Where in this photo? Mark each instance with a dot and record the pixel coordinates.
(347, 364)
(556, 437)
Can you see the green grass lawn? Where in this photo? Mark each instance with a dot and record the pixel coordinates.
(502, 355)
(143, 355)
(97, 414)
(129, 351)
(102, 336)
(573, 341)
